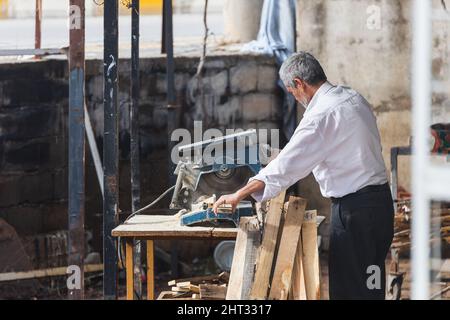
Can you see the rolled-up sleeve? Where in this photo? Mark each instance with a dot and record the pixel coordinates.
(301, 155)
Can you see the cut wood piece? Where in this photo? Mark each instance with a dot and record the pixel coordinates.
(193, 288)
(244, 258)
(183, 284)
(282, 276)
(172, 283)
(311, 264)
(267, 250)
(212, 292)
(178, 289)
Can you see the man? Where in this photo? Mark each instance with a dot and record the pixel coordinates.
(338, 140)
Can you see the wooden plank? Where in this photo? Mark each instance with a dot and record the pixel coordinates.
(165, 227)
(311, 264)
(222, 277)
(179, 289)
(212, 292)
(129, 269)
(44, 273)
(298, 291)
(244, 258)
(267, 250)
(282, 276)
(170, 295)
(150, 270)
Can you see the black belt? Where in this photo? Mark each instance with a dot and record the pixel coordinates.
(377, 188)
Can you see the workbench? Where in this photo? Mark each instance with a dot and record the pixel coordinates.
(155, 227)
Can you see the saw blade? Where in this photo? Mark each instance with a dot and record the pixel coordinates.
(224, 182)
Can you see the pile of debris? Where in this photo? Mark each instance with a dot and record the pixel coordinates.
(212, 287)
(440, 224)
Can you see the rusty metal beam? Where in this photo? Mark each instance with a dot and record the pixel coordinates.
(76, 143)
(38, 25)
(134, 140)
(171, 108)
(110, 147)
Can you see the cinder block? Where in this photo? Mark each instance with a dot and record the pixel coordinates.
(244, 78)
(29, 122)
(257, 107)
(33, 155)
(267, 78)
(229, 113)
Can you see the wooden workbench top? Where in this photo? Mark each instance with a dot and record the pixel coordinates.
(168, 227)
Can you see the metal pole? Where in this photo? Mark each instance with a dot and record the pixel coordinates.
(163, 35)
(421, 98)
(38, 23)
(110, 147)
(134, 139)
(76, 143)
(171, 110)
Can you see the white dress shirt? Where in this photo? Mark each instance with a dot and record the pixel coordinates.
(337, 139)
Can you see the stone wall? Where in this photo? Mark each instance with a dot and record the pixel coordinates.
(238, 92)
(367, 45)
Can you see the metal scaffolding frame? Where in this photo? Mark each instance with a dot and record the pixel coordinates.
(111, 134)
(429, 181)
(76, 208)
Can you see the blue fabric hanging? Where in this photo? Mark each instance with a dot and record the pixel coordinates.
(277, 37)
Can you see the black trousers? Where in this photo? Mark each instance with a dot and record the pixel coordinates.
(362, 228)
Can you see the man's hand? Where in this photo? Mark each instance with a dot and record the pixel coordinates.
(230, 199)
(238, 196)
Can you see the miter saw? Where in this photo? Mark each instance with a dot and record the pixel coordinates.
(210, 169)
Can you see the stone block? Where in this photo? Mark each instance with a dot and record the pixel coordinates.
(257, 107)
(244, 78)
(29, 122)
(267, 78)
(229, 113)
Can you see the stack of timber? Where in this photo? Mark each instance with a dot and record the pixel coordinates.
(440, 224)
(277, 259)
(211, 287)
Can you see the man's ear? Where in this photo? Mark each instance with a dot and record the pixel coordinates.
(298, 83)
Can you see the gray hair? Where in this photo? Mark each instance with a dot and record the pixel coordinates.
(303, 66)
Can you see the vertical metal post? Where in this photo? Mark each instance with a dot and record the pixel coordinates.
(38, 24)
(134, 139)
(171, 109)
(163, 34)
(76, 143)
(110, 147)
(421, 98)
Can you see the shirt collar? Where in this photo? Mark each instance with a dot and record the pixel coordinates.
(324, 88)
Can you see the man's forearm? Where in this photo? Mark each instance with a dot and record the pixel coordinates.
(252, 187)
